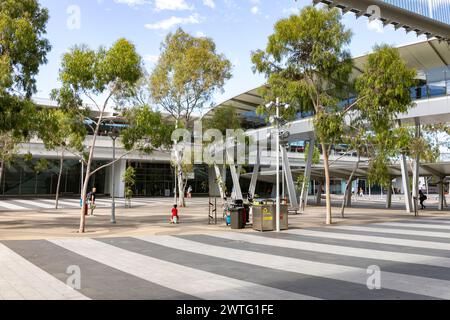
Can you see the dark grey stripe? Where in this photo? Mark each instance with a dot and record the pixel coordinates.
(356, 244)
(427, 222)
(98, 281)
(383, 235)
(288, 281)
(408, 228)
(387, 266)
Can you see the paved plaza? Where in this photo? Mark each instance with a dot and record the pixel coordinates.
(195, 260)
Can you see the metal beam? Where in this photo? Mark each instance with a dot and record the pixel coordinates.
(307, 176)
(255, 174)
(405, 181)
(289, 179)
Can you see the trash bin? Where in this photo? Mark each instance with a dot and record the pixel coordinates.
(264, 217)
(247, 213)
(237, 218)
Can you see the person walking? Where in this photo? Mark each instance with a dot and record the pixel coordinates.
(189, 192)
(91, 198)
(174, 219)
(422, 198)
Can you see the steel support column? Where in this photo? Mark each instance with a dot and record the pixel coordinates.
(307, 176)
(289, 179)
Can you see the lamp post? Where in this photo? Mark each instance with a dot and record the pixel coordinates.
(277, 120)
(113, 134)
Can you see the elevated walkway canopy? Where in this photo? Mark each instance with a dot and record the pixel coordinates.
(395, 15)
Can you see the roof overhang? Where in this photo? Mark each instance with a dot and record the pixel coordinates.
(422, 55)
(394, 15)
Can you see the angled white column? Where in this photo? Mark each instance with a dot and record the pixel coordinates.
(405, 182)
(220, 181)
(289, 179)
(307, 176)
(415, 182)
(255, 174)
(234, 175)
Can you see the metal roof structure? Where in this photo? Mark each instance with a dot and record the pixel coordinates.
(395, 15)
(422, 55)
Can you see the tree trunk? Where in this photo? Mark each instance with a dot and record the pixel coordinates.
(2, 165)
(329, 218)
(181, 188)
(348, 189)
(61, 165)
(87, 175)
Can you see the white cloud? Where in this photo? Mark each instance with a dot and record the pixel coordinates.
(151, 58)
(291, 11)
(173, 21)
(200, 34)
(132, 3)
(375, 25)
(172, 5)
(209, 3)
(255, 10)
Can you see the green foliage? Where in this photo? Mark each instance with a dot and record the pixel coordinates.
(41, 165)
(385, 87)
(129, 177)
(61, 130)
(93, 72)
(316, 154)
(188, 73)
(28, 157)
(223, 119)
(305, 61)
(146, 130)
(22, 45)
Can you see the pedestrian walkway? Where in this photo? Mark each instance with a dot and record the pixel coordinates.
(315, 263)
(38, 204)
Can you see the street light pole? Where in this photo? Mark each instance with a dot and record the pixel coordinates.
(278, 209)
(113, 135)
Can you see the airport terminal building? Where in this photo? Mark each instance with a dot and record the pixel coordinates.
(155, 175)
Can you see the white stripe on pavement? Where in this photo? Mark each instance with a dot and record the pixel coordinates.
(413, 225)
(373, 239)
(10, 206)
(20, 279)
(340, 250)
(35, 204)
(201, 284)
(396, 231)
(395, 281)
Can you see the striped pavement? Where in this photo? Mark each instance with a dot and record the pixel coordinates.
(315, 263)
(38, 204)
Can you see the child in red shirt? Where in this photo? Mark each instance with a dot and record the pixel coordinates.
(174, 215)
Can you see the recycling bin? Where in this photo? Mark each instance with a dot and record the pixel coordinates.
(264, 217)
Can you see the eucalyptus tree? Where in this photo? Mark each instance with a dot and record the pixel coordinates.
(23, 49)
(187, 75)
(97, 75)
(307, 64)
(62, 131)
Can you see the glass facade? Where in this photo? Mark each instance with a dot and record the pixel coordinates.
(157, 179)
(20, 179)
(435, 9)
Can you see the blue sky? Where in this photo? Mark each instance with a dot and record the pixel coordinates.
(237, 26)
